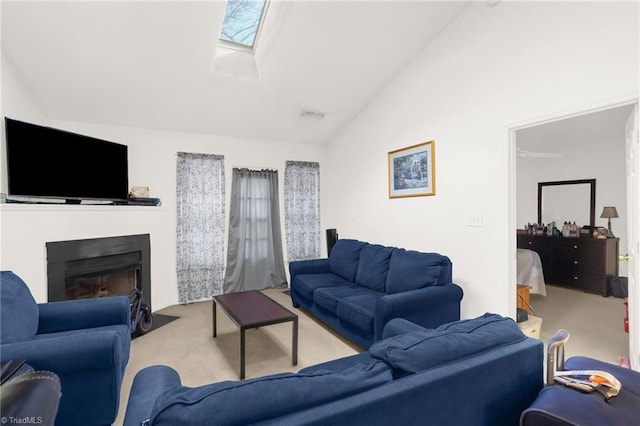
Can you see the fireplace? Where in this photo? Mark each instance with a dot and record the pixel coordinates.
(99, 267)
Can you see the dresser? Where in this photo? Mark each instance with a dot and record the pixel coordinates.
(579, 263)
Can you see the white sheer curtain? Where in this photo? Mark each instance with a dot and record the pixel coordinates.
(254, 255)
(302, 210)
(200, 225)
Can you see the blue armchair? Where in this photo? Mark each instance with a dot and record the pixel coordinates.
(85, 342)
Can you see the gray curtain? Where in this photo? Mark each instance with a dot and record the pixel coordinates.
(254, 254)
(302, 210)
(200, 225)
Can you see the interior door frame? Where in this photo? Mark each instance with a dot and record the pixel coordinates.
(634, 332)
(632, 151)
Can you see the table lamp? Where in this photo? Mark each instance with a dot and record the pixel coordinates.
(609, 212)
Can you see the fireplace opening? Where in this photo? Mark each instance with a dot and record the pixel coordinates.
(102, 276)
(102, 285)
(99, 267)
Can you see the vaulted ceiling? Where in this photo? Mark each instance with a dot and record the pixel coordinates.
(157, 64)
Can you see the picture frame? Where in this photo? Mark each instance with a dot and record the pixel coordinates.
(412, 171)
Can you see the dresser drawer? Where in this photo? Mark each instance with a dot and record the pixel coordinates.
(539, 243)
(578, 246)
(586, 281)
(578, 264)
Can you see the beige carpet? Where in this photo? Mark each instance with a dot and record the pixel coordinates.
(187, 345)
(595, 323)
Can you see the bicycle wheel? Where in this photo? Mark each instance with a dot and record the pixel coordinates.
(145, 320)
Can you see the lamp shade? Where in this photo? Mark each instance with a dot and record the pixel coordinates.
(609, 212)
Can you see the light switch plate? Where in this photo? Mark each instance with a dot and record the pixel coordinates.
(474, 219)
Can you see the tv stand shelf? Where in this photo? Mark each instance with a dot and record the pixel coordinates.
(152, 202)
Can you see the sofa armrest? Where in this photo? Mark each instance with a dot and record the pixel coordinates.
(428, 307)
(84, 313)
(148, 385)
(313, 266)
(70, 353)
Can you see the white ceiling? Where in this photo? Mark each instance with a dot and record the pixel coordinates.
(153, 64)
(598, 128)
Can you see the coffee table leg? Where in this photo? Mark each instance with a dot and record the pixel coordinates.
(215, 331)
(294, 343)
(242, 353)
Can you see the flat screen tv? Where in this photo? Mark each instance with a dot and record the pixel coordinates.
(51, 163)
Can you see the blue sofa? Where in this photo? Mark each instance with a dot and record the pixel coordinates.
(362, 286)
(478, 372)
(84, 342)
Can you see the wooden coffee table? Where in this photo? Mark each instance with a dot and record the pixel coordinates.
(252, 309)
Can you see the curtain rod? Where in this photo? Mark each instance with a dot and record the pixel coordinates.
(255, 169)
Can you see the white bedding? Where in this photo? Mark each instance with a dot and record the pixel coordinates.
(530, 271)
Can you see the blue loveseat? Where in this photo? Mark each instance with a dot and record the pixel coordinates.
(84, 342)
(362, 286)
(478, 372)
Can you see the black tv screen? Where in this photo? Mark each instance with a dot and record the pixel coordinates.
(51, 163)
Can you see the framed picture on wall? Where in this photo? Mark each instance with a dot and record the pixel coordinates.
(412, 171)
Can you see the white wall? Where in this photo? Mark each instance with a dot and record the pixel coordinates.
(16, 99)
(152, 162)
(16, 95)
(492, 68)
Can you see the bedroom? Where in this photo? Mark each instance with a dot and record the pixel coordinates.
(582, 147)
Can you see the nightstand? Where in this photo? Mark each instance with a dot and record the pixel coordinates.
(531, 327)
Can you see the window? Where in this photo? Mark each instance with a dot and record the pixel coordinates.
(257, 220)
(242, 22)
(254, 255)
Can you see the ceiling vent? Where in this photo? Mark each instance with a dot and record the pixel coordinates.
(312, 115)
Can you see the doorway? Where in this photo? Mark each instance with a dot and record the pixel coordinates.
(584, 145)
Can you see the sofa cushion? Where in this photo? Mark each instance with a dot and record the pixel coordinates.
(250, 401)
(358, 309)
(19, 314)
(420, 350)
(307, 284)
(373, 266)
(340, 364)
(328, 297)
(410, 270)
(398, 326)
(344, 256)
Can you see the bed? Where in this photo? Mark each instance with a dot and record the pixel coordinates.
(530, 271)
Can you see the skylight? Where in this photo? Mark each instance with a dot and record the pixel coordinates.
(242, 22)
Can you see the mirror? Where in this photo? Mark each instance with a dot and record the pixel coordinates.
(572, 200)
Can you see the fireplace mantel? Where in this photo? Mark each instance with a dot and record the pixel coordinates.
(10, 207)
